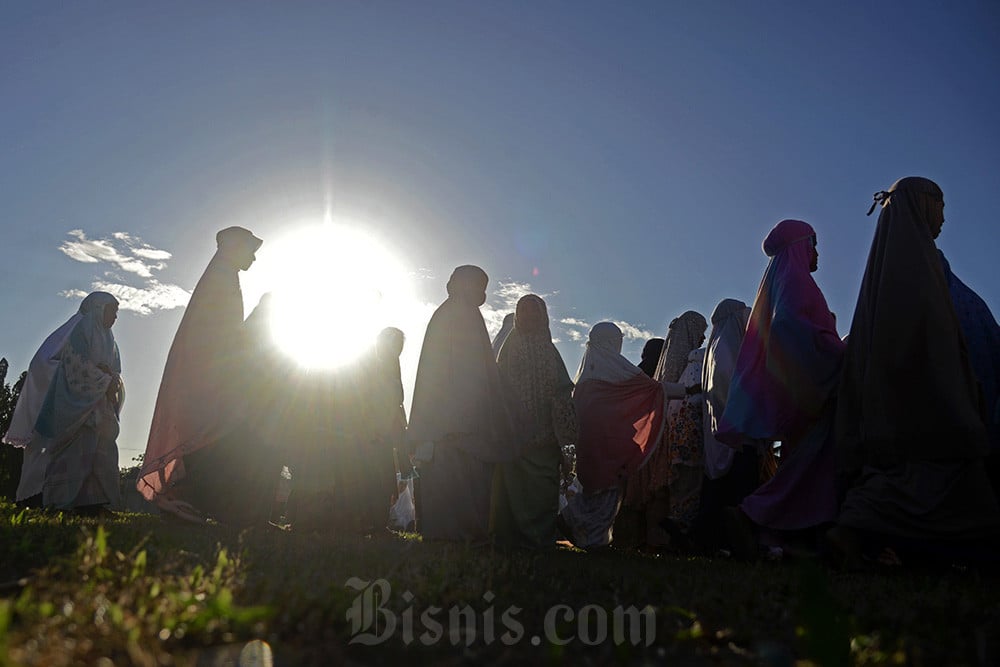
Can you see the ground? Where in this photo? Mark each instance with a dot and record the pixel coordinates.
(141, 590)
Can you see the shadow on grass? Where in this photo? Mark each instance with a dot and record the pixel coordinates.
(141, 590)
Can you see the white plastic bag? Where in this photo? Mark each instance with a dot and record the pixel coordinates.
(403, 512)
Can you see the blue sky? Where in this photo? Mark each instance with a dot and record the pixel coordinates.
(625, 159)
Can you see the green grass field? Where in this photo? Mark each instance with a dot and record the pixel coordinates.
(140, 590)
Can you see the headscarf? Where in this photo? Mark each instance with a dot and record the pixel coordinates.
(200, 399)
(790, 358)
(602, 358)
(458, 399)
(80, 383)
(468, 284)
(651, 356)
(683, 335)
(237, 239)
(620, 409)
(729, 324)
(41, 370)
(537, 376)
(505, 328)
(908, 391)
(387, 350)
(982, 339)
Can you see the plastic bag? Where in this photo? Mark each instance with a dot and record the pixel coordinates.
(403, 512)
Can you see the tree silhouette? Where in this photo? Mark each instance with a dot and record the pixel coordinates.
(10, 457)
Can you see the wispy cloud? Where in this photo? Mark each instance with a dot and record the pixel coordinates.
(134, 256)
(573, 322)
(510, 293)
(577, 329)
(130, 254)
(504, 300)
(633, 332)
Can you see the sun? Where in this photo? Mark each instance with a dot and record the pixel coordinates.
(334, 287)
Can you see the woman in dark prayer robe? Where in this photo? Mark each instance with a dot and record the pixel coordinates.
(459, 421)
(201, 399)
(235, 479)
(385, 429)
(911, 434)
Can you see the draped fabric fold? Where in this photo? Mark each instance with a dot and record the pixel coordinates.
(789, 362)
(729, 323)
(460, 423)
(41, 370)
(198, 401)
(784, 382)
(982, 340)
(910, 423)
(621, 412)
(908, 387)
(526, 490)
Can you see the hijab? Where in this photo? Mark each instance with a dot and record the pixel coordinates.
(789, 361)
(200, 399)
(43, 368)
(729, 323)
(602, 358)
(81, 381)
(684, 334)
(458, 398)
(505, 328)
(621, 412)
(534, 370)
(651, 355)
(908, 391)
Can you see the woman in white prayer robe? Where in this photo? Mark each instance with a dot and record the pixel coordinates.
(77, 425)
(41, 371)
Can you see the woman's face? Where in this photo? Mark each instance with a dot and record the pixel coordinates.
(813, 255)
(110, 314)
(936, 208)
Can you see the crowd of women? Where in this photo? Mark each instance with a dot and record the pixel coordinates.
(777, 432)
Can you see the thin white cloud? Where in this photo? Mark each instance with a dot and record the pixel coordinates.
(132, 258)
(508, 294)
(151, 253)
(633, 332)
(142, 300)
(141, 249)
(129, 254)
(511, 292)
(573, 322)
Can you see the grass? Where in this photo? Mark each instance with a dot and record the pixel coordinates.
(145, 591)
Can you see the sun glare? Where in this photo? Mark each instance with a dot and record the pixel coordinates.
(334, 288)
